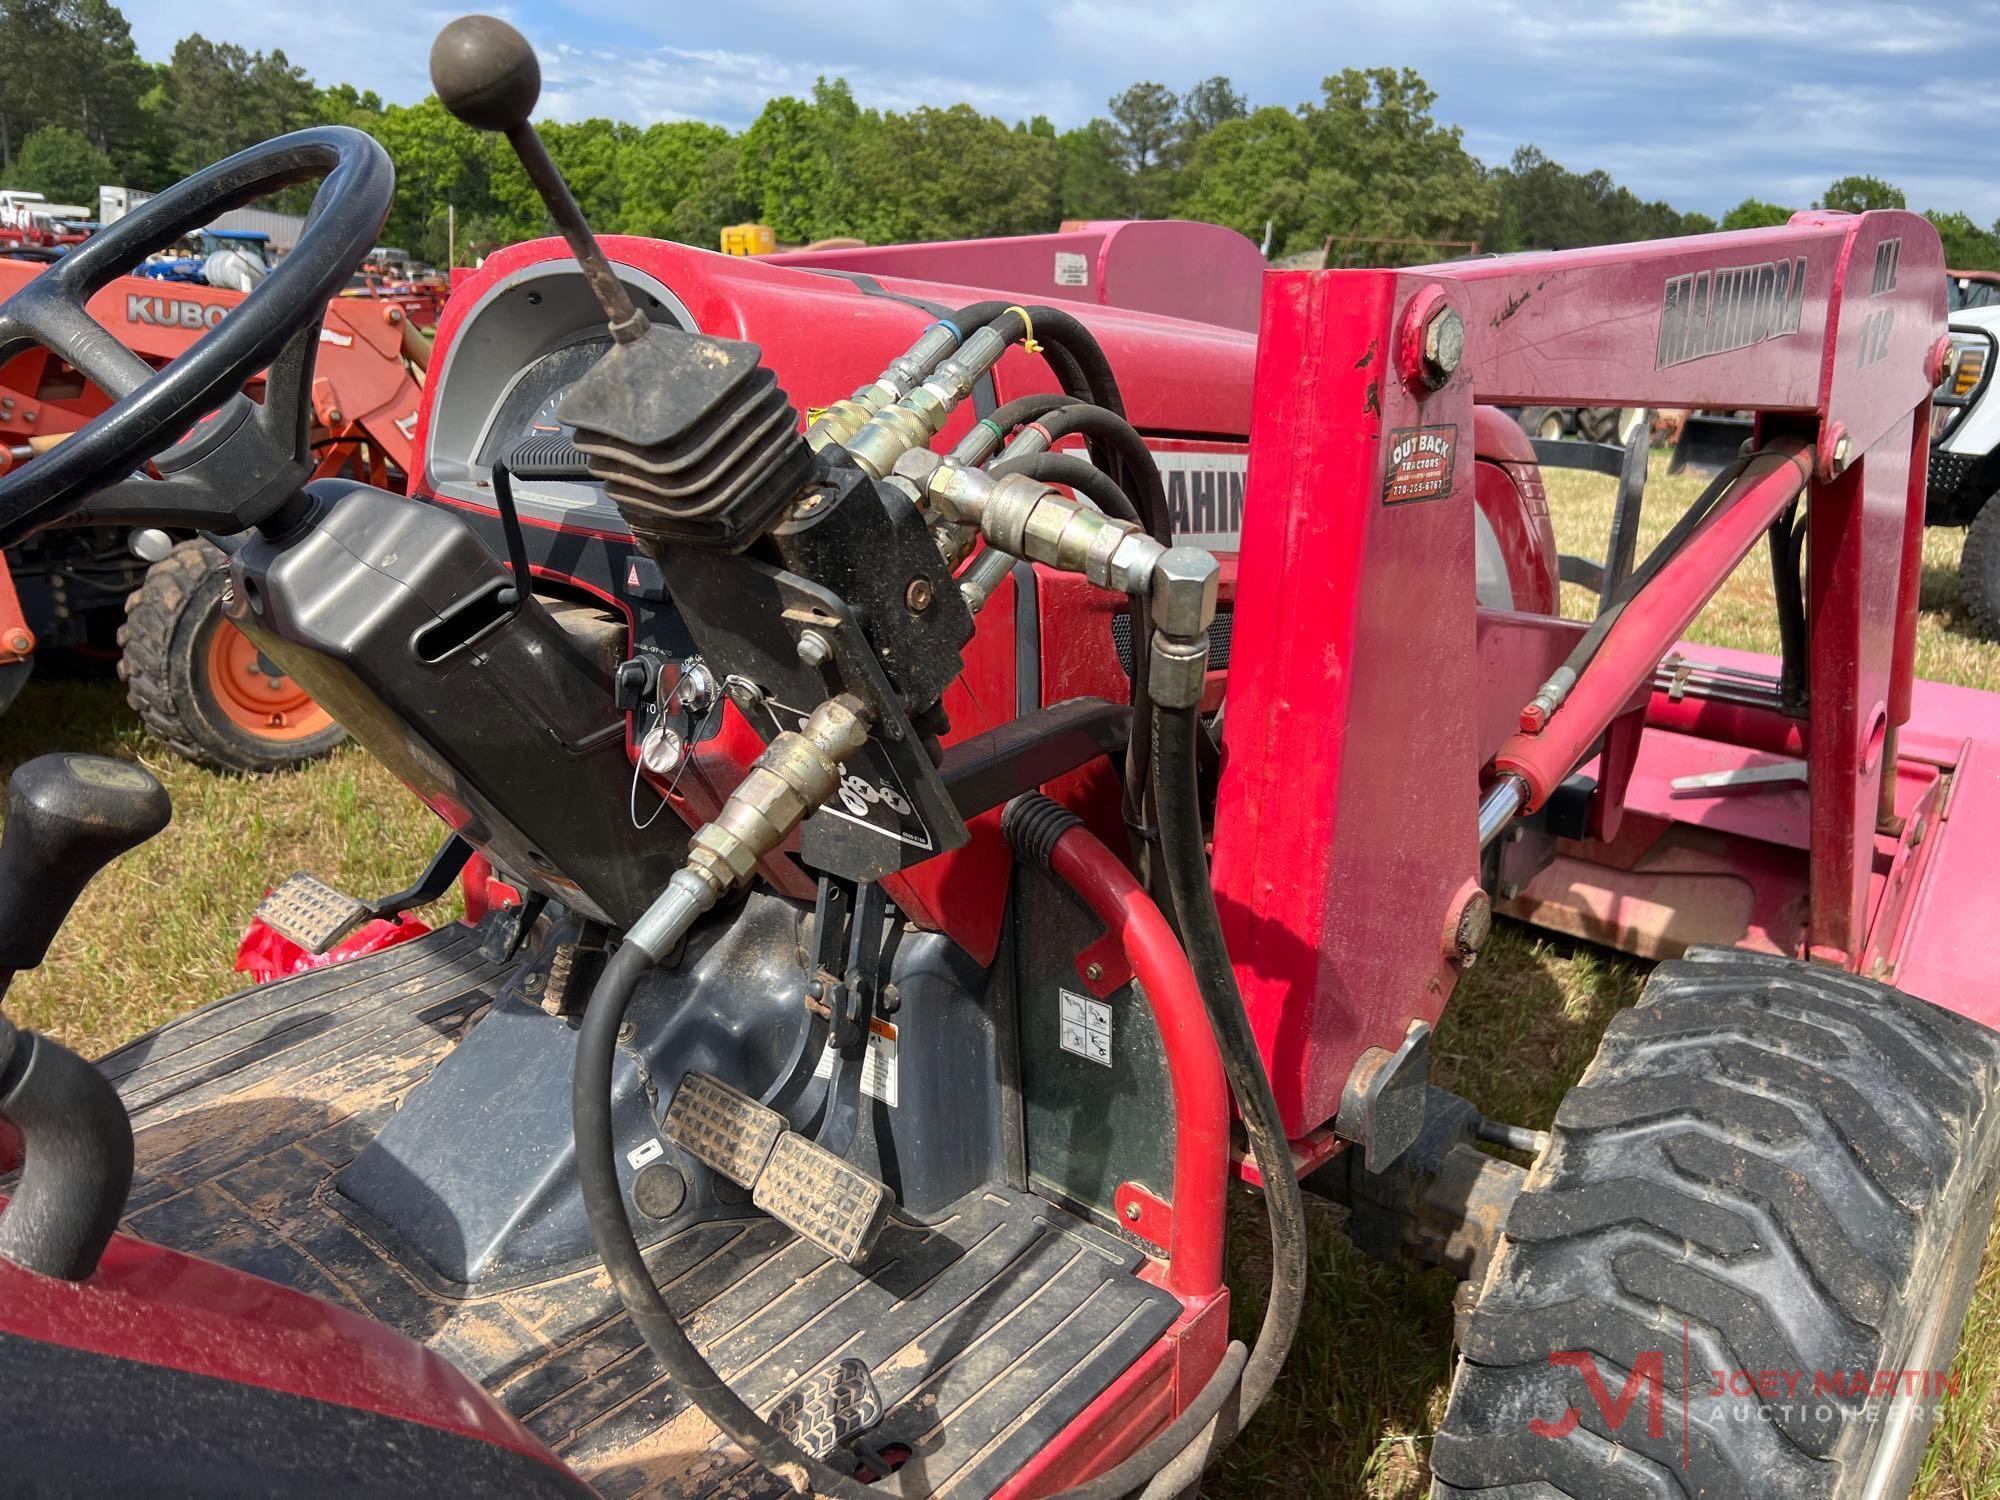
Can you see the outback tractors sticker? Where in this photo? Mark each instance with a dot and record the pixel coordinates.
(1714, 312)
(1419, 464)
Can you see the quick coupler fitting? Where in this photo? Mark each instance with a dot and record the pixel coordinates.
(920, 416)
(842, 420)
(797, 772)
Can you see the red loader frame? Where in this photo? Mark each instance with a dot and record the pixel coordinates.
(1365, 696)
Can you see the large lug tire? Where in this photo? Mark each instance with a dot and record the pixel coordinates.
(1598, 424)
(1979, 570)
(1788, 1167)
(200, 686)
(1545, 421)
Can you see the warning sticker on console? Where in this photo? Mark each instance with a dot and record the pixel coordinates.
(1420, 460)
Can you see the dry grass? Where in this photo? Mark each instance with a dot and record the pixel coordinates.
(157, 934)
(1368, 1381)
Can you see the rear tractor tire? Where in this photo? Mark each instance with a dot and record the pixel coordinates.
(199, 684)
(1760, 1219)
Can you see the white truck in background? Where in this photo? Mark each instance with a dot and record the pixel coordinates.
(1965, 441)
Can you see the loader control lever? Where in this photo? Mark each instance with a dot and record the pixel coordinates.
(68, 816)
(487, 75)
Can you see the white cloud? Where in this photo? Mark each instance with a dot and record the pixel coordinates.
(1703, 102)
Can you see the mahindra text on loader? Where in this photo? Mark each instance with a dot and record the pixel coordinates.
(909, 881)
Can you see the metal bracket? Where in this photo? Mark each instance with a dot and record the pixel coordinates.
(1382, 1106)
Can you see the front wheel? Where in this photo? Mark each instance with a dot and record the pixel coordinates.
(200, 685)
(1741, 1267)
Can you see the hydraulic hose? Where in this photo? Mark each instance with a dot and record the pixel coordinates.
(1175, 1456)
(1184, 855)
(1142, 470)
(993, 429)
(1089, 481)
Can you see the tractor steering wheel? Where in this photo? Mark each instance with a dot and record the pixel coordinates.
(227, 463)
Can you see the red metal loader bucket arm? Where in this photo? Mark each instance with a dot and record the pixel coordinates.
(1364, 700)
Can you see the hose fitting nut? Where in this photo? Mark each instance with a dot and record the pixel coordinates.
(1177, 669)
(1184, 588)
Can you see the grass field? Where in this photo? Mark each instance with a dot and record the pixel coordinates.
(1368, 1380)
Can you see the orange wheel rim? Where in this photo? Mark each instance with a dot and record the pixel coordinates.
(256, 697)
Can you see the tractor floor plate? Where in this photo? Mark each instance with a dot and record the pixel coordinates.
(986, 1332)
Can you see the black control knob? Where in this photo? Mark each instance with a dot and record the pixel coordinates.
(485, 73)
(68, 816)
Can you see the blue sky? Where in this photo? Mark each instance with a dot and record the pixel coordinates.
(1700, 102)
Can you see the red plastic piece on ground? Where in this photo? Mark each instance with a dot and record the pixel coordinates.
(266, 954)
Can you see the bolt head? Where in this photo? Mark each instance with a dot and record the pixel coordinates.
(1093, 972)
(918, 595)
(1132, 1212)
(814, 649)
(1841, 448)
(1444, 344)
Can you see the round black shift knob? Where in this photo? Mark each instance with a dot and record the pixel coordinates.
(485, 73)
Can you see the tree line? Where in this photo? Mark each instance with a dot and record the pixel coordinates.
(1367, 163)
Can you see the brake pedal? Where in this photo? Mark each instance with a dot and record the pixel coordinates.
(822, 1198)
(831, 1406)
(723, 1128)
(311, 913)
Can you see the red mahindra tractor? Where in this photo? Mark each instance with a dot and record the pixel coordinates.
(914, 870)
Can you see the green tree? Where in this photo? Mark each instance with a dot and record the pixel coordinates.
(953, 174)
(1545, 206)
(1094, 183)
(69, 63)
(218, 98)
(61, 165)
(1754, 213)
(442, 164)
(1208, 104)
(1382, 166)
(1251, 171)
(794, 166)
(679, 183)
(1147, 120)
(1858, 194)
(1967, 247)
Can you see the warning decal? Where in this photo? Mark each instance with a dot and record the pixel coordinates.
(880, 1073)
(1420, 461)
(1072, 269)
(1086, 1027)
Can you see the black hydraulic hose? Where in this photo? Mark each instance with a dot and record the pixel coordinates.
(1663, 553)
(1142, 470)
(1080, 475)
(1171, 1459)
(1183, 852)
(604, 1206)
(77, 1166)
(1064, 365)
(1787, 542)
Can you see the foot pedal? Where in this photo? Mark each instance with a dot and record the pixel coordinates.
(829, 1407)
(838, 1207)
(723, 1128)
(311, 913)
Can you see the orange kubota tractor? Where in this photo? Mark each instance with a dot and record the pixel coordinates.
(150, 597)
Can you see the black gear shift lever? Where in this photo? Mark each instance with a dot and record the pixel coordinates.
(486, 74)
(68, 816)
